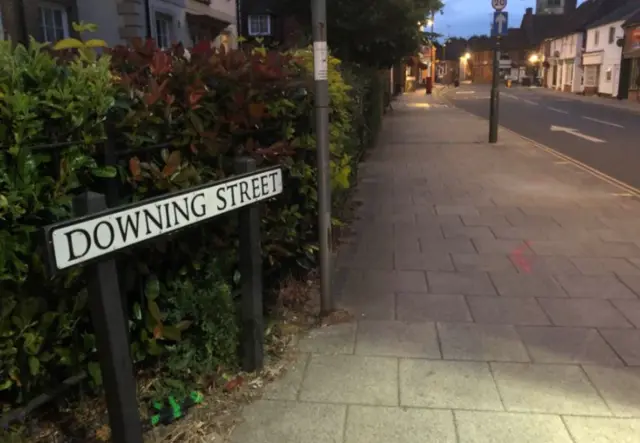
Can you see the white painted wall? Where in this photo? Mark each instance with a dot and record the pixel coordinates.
(611, 55)
(569, 48)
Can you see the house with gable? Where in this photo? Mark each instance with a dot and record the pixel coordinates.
(566, 47)
(603, 51)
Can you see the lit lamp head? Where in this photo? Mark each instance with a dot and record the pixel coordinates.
(534, 58)
(467, 56)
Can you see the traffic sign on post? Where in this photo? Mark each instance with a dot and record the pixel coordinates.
(499, 5)
(500, 24)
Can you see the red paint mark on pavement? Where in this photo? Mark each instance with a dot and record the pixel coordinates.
(518, 258)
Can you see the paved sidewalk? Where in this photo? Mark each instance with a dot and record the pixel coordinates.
(496, 292)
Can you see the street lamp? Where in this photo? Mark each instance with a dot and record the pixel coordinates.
(467, 56)
(534, 58)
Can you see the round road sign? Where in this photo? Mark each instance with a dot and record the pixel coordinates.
(499, 5)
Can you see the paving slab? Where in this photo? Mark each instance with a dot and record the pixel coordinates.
(333, 339)
(465, 283)
(550, 344)
(594, 286)
(503, 427)
(630, 309)
(448, 385)
(583, 312)
(603, 430)
(351, 379)
(268, 421)
(620, 388)
(552, 389)
(483, 263)
(509, 284)
(432, 307)
(397, 339)
(385, 425)
(480, 342)
(288, 386)
(626, 343)
(507, 310)
(423, 261)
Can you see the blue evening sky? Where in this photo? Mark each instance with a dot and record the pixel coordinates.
(464, 18)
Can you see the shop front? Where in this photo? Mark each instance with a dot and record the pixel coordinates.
(630, 69)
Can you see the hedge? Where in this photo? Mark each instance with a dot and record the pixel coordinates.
(210, 106)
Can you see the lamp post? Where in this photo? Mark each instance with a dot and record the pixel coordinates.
(432, 69)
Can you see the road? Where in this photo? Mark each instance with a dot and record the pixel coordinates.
(603, 137)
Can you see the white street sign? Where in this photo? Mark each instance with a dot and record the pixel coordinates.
(86, 238)
(499, 5)
(500, 23)
(577, 133)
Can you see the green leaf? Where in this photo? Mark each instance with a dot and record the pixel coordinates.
(154, 310)
(68, 43)
(95, 43)
(6, 385)
(34, 365)
(152, 288)
(137, 312)
(105, 172)
(95, 372)
(172, 333)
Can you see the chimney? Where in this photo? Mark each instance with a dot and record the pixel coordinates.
(529, 11)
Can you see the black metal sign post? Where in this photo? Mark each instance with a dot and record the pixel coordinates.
(97, 233)
(112, 337)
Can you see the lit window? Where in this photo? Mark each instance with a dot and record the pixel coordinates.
(54, 23)
(259, 25)
(164, 26)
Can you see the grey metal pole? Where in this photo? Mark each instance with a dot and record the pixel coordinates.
(320, 66)
(495, 95)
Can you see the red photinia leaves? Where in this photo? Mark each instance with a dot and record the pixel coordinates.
(156, 91)
(160, 63)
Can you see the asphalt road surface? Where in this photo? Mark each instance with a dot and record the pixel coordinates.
(603, 137)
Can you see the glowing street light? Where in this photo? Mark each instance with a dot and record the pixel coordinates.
(534, 58)
(467, 56)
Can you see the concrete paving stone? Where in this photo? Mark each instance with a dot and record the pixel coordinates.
(423, 261)
(352, 379)
(432, 307)
(464, 283)
(500, 246)
(501, 210)
(397, 339)
(574, 234)
(554, 389)
(446, 246)
(630, 309)
(626, 343)
(382, 281)
(287, 387)
(504, 427)
(333, 339)
(520, 233)
(447, 385)
(532, 220)
(567, 248)
(620, 388)
(581, 220)
(594, 286)
(632, 282)
(583, 312)
(526, 285)
(365, 260)
(456, 210)
(452, 231)
(268, 421)
(550, 344)
(493, 221)
(603, 430)
(460, 341)
(543, 265)
(613, 249)
(374, 306)
(367, 424)
(378, 245)
(483, 263)
(425, 220)
(599, 266)
(507, 310)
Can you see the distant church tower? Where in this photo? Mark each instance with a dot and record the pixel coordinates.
(555, 6)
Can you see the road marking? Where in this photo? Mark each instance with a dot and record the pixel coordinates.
(556, 110)
(623, 194)
(577, 133)
(603, 122)
(465, 92)
(529, 102)
(505, 94)
(563, 163)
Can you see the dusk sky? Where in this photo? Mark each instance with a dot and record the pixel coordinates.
(464, 18)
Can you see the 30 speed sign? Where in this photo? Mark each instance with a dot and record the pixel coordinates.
(499, 5)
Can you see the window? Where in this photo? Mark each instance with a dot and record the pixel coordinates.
(259, 25)
(596, 38)
(554, 3)
(1, 28)
(635, 72)
(612, 34)
(164, 27)
(54, 23)
(608, 74)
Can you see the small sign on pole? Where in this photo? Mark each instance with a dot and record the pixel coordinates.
(500, 24)
(499, 5)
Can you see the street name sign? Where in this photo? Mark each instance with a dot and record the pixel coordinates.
(499, 5)
(86, 238)
(500, 24)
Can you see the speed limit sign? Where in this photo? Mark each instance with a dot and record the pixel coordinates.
(499, 5)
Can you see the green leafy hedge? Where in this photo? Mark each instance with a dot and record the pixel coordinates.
(211, 106)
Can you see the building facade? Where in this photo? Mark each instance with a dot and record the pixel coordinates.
(630, 73)
(601, 59)
(555, 7)
(45, 20)
(565, 63)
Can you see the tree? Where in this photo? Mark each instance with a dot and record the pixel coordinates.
(377, 34)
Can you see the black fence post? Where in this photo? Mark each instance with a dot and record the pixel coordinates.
(251, 279)
(109, 159)
(111, 330)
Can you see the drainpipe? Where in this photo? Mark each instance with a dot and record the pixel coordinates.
(147, 17)
(22, 35)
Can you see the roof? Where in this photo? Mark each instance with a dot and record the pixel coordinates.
(589, 12)
(545, 26)
(622, 13)
(633, 20)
